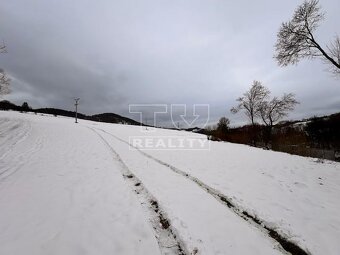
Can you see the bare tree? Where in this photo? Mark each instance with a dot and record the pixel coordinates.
(296, 40)
(274, 110)
(4, 83)
(251, 101)
(4, 80)
(277, 108)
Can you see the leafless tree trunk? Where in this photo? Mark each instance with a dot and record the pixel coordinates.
(275, 109)
(255, 103)
(251, 101)
(295, 39)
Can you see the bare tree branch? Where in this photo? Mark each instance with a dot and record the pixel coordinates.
(295, 39)
(4, 83)
(251, 101)
(275, 109)
(3, 48)
(4, 80)
(334, 52)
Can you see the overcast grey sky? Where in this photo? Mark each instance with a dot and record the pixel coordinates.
(115, 53)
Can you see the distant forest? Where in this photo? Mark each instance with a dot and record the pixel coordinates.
(103, 117)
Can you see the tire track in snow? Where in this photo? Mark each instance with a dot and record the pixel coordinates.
(167, 238)
(14, 132)
(285, 243)
(19, 160)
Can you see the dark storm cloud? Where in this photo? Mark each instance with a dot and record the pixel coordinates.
(115, 53)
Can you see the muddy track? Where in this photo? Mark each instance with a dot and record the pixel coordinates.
(167, 237)
(286, 244)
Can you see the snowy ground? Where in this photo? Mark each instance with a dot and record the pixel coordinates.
(81, 189)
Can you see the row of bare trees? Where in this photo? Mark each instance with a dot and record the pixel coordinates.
(295, 40)
(257, 104)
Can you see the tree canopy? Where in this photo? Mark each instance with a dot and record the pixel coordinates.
(296, 38)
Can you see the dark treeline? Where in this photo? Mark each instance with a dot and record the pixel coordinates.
(103, 117)
(316, 137)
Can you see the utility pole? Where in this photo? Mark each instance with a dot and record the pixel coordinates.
(76, 104)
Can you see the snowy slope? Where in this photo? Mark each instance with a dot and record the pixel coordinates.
(61, 193)
(297, 196)
(69, 189)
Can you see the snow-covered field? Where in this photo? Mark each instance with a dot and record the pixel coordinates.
(69, 188)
